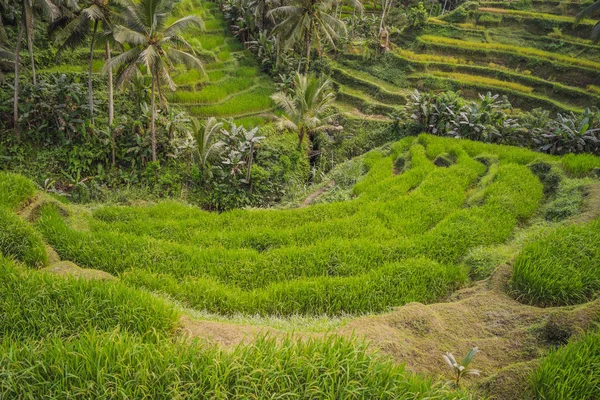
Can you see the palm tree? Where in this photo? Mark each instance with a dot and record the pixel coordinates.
(205, 136)
(98, 14)
(305, 20)
(589, 11)
(305, 106)
(154, 47)
(29, 9)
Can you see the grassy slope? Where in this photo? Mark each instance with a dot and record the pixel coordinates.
(520, 61)
(100, 330)
(400, 240)
(232, 87)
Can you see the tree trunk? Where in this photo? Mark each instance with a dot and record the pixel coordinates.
(16, 94)
(308, 46)
(152, 118)
(250, 157)
(111, 100)
(29, 36)
(90, 88)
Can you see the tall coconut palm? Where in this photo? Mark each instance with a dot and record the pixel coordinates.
(304, 107)
(30, 9)
(590, 11)
(86, 22)
(153, 46)
(303, 21)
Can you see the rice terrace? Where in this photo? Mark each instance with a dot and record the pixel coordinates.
(300, 199)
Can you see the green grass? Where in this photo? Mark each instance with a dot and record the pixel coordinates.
(530, 51)
(253, 101)
(560, 269)
(400, 240)
(570, 372)
(116, 365)
(15, 190)
(36, 305)
(20, 241)
(536, 15)
(213, 93)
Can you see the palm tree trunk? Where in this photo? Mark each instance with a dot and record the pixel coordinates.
(29, 36)
(152, 117)
(111, 100)
(16, 94)
(308, 46)
(90, 88)
(250, 157)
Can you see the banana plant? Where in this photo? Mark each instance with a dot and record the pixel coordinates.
(461, 369)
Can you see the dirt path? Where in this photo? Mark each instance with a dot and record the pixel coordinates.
(316, 194)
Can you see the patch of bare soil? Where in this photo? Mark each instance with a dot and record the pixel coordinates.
(316, 194)
(224, 334)
(510, 335)
(67, 268)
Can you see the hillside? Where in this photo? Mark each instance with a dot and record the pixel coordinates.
(535, 55)
(230, 71)
(428, 216)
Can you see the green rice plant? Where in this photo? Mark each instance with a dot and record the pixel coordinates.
(20, 241)
(509, 48)
(419, 280)
(536, 15)
(580, 164)
(251, 102)
(224, 55)
(211, 42)
(15, 190)
(213, 93)
(380, 91)
(114, 365)
(246, 71)
(570, 372)
(485, 81)
(560, 268)
(35, 305)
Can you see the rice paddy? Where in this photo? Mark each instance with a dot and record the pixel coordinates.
(414, 230)
(514, 52)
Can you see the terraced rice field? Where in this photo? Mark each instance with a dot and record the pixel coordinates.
(400, 240)
(537, 58)
(231, 86)
(460, 243)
